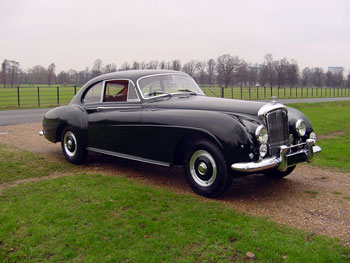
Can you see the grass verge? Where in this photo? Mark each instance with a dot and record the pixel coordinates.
(16, 164)
(94, 218)
(331, 121)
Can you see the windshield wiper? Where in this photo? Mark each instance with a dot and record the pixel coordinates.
(187, 91)
(156, 92)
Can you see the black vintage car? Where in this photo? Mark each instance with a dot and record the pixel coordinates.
(163, 117)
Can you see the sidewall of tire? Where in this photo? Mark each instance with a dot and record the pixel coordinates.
(81, 152)
(223, 179)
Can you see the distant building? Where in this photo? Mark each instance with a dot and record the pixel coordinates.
(335, 69)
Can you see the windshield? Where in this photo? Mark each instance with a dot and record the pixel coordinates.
(168, 85)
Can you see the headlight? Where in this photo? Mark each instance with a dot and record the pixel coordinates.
(300, 126)
(261, 134)
(313, 136)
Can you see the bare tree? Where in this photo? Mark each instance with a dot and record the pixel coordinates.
(348, 81)
(37, 75)
(293, 73)
(125, 66)
(51, 73)
(176, 64)
(226, 67)
(162, 65)
(253, 73)
(242, 72)
(270, 69)
(152, 64)
(110, 68)
(97, 68)
(190, 67)
(4, 68)
(211, 70)
(202, 75)
(306, 77)
(135, 65)
(318, 77)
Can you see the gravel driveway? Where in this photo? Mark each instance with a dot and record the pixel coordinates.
(313, 199)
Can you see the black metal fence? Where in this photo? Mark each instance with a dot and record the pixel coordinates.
(36, 96)
(57, 95)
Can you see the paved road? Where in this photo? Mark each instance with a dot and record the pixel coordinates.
(10, 117)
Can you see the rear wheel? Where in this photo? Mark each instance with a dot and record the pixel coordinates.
(72, 147)
(278, 174)
(205, 169)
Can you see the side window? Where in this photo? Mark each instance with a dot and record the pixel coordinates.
(116, 90)
(120, 91)
(93, 94)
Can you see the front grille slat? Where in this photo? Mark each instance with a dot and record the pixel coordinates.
(277, 125)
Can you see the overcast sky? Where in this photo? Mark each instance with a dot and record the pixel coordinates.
(73, 33)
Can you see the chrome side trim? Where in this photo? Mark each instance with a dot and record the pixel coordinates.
(119, 107)
(127, 156)
(270, 107)
(280, 162)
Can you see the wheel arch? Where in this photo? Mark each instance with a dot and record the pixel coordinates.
(186, 140)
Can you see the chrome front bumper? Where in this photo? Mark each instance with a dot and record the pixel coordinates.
(285, 160)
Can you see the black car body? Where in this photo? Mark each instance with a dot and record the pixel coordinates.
(163, 117)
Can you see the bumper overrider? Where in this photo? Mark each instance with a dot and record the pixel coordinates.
(285, 160)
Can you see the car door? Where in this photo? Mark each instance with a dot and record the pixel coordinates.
(114, 120)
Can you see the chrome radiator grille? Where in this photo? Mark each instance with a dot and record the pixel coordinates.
(277, 125)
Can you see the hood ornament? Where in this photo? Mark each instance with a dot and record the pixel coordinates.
(274, 100)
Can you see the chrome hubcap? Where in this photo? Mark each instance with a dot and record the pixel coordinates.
(70, 144)
(203, 168)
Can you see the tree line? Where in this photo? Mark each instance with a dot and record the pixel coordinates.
(226, 70)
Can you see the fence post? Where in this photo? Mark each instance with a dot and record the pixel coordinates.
(75, 90)
(18, 99)
(257, 92)
(232, 92)
(296, 92)
(264, 92)
(241, 92)
(278, 92)
(316, 92)
(58, 95)
(249, 92)
(290, 92)
(302, 92)
(38, 96)
(284, 92)
(222, 92)
(271, 91)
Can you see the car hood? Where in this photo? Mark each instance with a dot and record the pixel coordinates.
(209, 103)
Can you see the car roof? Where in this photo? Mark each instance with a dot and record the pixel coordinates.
(133, 75)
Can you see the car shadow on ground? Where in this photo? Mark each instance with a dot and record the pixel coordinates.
(251, 187)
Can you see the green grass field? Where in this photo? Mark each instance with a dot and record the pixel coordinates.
(48, 96)
(29, 96)
(95, 218)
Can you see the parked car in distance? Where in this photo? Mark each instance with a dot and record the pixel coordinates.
(163, 117)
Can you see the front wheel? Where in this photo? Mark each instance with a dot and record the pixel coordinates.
(206, 170)
(72, 147)
(278, 174)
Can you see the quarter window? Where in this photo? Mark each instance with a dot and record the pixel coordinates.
(93, 94)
